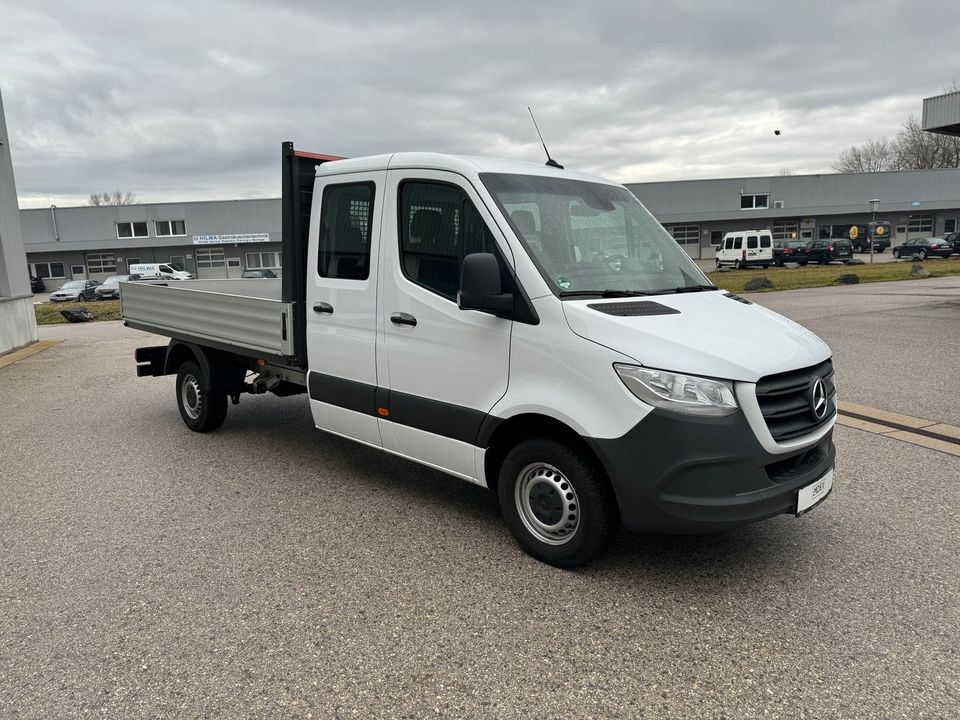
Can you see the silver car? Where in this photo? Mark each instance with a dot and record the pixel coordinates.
(75, 291)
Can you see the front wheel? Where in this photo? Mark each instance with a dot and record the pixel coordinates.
(896, 253)
(81, 298)
(557, 503)
(718, 262)
(202, 408)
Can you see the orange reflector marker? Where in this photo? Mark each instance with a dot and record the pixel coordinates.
(382, 412)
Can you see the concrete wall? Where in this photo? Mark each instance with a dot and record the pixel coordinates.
(17, 323)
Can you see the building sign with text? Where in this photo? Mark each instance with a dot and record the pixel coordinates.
(230, 239)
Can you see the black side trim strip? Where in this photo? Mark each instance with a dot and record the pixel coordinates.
(434, 416)
(349, 394)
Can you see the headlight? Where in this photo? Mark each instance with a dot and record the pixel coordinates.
(677, 392)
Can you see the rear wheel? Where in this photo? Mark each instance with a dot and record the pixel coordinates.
(802, 263)
(778, 262)
(922, 254)
(765, 266)
(738, 265)
(202, 408)
(557, 503)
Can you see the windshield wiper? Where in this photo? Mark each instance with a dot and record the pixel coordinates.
(602, 293)
(687, 289)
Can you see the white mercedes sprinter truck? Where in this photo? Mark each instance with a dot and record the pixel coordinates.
(527, 328)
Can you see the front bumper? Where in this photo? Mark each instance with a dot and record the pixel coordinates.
(677, 474)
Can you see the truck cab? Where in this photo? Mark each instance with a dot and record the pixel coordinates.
(535, 331)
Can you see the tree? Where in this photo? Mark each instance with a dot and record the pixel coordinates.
(912, 149)
(872, 156)
(114, 198)
(784, 172)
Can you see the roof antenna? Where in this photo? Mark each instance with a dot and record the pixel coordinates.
(550, 161)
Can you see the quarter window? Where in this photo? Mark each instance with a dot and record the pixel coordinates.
(751, 202)
(438, 226)
(132, 229)
(346, 226)
(101, 263)
(167, 228)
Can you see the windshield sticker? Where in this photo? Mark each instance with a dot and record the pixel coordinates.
(563, 283)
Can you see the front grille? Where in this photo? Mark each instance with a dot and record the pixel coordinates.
(785, 400)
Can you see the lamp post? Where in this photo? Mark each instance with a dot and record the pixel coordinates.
(874, 206)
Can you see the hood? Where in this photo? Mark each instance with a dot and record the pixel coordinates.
(705, 333)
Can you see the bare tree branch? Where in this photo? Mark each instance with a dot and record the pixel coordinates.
(114, 198)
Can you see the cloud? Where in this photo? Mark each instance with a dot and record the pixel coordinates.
(179, 101)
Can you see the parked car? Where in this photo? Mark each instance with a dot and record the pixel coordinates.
(75, 291)
(110, 288)
(746, 247)
(265, 273)
(786, 251)
(924, 247)
(876, 233)
(36, 285)
(953, 240)
(825, 251)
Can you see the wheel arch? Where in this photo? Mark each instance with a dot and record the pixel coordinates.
(220, 370)
(511, 432)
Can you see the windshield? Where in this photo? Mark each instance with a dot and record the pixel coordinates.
(176, 267)
(586, 236)
(75, 285)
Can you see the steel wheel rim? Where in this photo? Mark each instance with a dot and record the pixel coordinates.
(190, 396)
(547, 504)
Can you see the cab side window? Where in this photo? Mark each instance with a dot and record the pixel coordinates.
(346, 226)
(438, 226)
(738, 243)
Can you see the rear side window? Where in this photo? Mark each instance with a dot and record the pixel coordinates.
(346, 225)
(738, 243)
(764, 241)
(751, 242)
(438, 226)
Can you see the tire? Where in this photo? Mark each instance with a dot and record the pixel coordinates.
(802, 263)
(778, 262)
(896, 253)
(737, 265)
(922, 254)
(823, 260)
(81, 298)
(202, 409)
(764, 266)
(541, 481)
(718, 263)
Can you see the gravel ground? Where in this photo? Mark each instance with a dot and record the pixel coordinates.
(270, 570)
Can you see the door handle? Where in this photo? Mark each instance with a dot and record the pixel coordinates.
(323, 308)
(403, 319)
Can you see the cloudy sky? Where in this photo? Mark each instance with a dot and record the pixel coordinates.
(181, 101)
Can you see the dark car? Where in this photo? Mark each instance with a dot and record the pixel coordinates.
(786, 251)
(110, 288)
(258, 274)
(924, 248)
(953, 240)
(825, 251)
(36, 285)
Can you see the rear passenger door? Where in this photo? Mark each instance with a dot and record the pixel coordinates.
(342, 304)
(446, 367)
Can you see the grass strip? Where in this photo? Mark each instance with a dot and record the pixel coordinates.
(811, 276)
(49, 313)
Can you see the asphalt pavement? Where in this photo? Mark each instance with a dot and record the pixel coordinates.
(271, 570)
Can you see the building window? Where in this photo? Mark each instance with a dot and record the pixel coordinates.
(920, 224)
(752, 202)
(949, 225)
(167, 228)
(132, 229)
(716, 237)
(784, 230)
(210, 258)
(48, 270)
(101, 263)
(346, 217)
(258, 260)
(686, 234)
(132, 261)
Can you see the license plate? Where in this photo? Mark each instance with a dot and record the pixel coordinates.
(814, 493)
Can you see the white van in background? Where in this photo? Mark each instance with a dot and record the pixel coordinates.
(159, 270)
(746, 247)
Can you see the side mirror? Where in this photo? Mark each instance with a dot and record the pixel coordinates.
(480, 285)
